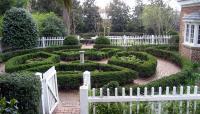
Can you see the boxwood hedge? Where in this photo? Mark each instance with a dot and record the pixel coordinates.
(70, 75)
(181, 78)
(9, 54)
(25, 87)
(146, 66)
(19, 62)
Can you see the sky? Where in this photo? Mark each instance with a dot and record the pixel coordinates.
(103, 3)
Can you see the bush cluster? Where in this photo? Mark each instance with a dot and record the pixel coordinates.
(25, 87)
(145, 68)
(7, 55)
(49, 25)
(181, 78)
(1, 25)
(19, 29)
(70, 75)
(18, 63)
(102, 40)
(100, 46)
(71, 40)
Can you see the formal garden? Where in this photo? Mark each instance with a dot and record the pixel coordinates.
(111, 66)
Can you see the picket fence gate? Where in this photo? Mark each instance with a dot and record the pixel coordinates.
(50, 41)
(49, 96)
(180, 96)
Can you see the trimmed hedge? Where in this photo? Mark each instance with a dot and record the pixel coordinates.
(181, 78)
(25, 87)
(70, 75)
(100, 46)
(102, 40)
(146, 67)
(7, 55)
(71, 40)
(90, 54)
(19, 62)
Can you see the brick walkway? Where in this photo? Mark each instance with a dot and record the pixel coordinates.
(69, 103)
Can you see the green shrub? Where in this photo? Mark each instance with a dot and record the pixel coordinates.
(70, 75)
(52, 26)
(6, 56)
(182, 78)
(112, 85)
(143, 63)
(102, 40)
(8, 107)
(19, 63)
(19, 29)
(100, 46)
(71, 55)
(71, 40)
(25, 87)
(174, 40)
(1, 25)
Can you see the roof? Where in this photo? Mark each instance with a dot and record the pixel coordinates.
(193, 16)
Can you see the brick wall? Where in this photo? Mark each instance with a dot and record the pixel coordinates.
(191, 53)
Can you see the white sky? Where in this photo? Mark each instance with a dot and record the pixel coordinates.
(131, 3)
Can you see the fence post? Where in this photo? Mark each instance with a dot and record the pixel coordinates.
(84, 109)
(153, 39)
(42, 93)
(86, 79)
(43, 42)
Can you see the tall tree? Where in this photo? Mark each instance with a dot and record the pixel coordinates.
(67, 5)
(119, 13)
(76, 17)
(92, 18)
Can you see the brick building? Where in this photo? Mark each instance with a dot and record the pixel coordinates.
(190, 29)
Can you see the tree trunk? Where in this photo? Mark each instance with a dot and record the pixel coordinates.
(66, 19)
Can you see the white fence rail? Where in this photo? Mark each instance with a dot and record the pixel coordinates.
(139, 40)
(49, 97)
(177, 95)
(50, 41)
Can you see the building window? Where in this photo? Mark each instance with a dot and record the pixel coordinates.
(199, 36)
(192, 34)
(187, 32)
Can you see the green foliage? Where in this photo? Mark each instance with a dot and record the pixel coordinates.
(100, 46)
(6, 56)
(182, 78)
(111, 86)
(71, 40)
(49, 25)
(70, 75)
(5, 5)
(19, 29)
(25, 87)
(174, 40)
(8, 107)
(1, 25)
(19, 63)
(102, 40)
(143, 63)
(119, 13)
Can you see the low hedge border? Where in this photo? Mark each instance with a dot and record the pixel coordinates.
(25, 87)
(7, 55)
(145, 69)
(18, 63)
(181, 78)
(90, 54)
(70, 75)
(100, 46)
(71, 55)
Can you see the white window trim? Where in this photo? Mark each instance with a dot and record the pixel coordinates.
(196, 32)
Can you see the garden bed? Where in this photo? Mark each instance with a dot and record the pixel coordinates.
(70, 75)
(141, 62)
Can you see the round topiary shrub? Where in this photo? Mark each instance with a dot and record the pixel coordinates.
(71, 40)
(102, 40)
(19, 29)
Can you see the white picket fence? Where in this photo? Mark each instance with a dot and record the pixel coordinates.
(50, 41)
(49, 96)
(139, 40)
(180, 96)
